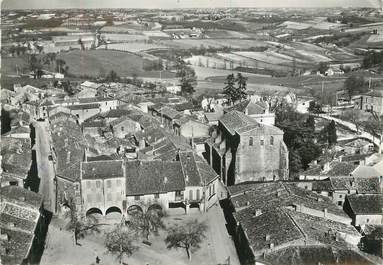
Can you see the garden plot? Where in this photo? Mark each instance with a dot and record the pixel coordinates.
(211, 62)
(267, 57)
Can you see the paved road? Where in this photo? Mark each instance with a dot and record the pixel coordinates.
(351, 126)
(222, 243)
(44, 166)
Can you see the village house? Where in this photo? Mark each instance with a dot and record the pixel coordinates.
(364, 208)
(16, 161)
(124, 186)
(22, 225)
(265, 219)
(259, 111)
(243, 149)
(339, 187)
(124, 126)
(372, 101)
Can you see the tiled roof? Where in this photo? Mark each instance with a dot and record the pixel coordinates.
(251, 107)
(190, 169)
(16, 155)
(274, 223)
(120, 120)
(340, 169)
(20, 194)
(361, 185)
(365, 171)
(366, 203)
(279, 194)
(102, 169)
(170, 112)
(237, 122)
(301, 255)
(150, 177)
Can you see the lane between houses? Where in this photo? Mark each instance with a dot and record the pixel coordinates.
(45, 167)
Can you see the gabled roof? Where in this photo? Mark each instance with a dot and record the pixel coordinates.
(237, 122)
(150, 177)
(366, 203)
(361, 185)
(102, 169)
(249, 107)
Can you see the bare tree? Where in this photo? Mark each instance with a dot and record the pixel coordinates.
(80, 224)
(147, 222)
(120, 241)
(188, 236)
(354, 116)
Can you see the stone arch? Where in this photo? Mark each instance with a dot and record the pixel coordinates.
(113, 209)
(133, 209)
(155, 207)
(93, 210)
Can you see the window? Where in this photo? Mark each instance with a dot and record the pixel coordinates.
(190, 195)
(198, 195)
(271, 140)
(178, 193)
(137, 197)
(122, 128)
(367, 220)
(262, 142)
(340, 203)
(251, 141)
(213, 188)
(340, 196)
(209, 191)
(156, 196)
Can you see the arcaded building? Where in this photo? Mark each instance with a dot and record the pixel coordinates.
(242, 149)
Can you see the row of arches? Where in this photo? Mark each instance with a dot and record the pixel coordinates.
(114, 209)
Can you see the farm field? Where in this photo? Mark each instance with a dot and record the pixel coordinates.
(133, 46)
(90, 63)
(210, 62)
(113, 37)
(204, 73)
(216, 43)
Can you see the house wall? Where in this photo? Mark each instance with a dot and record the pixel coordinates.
(126, 127)
(368, 219)
(259, 162)
(144, 201)
(194, 129)
(372, 103)
(267, 118)
(92, 131)
(339, 196)
(84, 114)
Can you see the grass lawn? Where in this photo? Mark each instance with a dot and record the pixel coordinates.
(61, 250)
(91, 62)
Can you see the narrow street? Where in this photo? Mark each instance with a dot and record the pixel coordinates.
(44, 166)
(224, 248)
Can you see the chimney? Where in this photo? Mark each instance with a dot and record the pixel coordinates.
(68, 157)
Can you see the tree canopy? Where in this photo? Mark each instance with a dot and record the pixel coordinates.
(355, 84)
(188, 236)
(120, 241)
(235, 93)
(188, 79)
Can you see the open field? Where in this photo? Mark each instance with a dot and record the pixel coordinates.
(90, 63)
(133, 46)
(216, 43)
